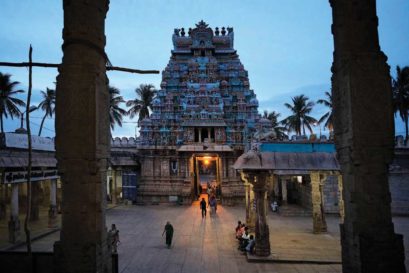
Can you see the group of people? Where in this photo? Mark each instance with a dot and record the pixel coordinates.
(246, 241)
(212, 204)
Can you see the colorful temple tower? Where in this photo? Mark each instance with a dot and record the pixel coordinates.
(203, 117)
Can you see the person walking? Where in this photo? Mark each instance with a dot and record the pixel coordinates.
(213, 204)
(203, 207)
(115, 238)
(169, 233)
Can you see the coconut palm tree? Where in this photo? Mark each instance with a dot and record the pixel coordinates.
(47, 105)
(400, 89)
(299, 119)
(275, 124)
(8, 103)
(116, 113)
(142, 104)
(327, 117)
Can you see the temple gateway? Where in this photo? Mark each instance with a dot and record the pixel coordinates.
(203, 116)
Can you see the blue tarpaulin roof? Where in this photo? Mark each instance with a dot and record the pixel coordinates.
(298, 147)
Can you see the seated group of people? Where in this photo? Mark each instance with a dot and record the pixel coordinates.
(246, 241)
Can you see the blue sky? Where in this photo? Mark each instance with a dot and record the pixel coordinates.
(286, 45)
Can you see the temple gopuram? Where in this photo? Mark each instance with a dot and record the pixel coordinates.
(203, 117)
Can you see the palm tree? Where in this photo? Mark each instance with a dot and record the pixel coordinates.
(8, 103)
(299, 119)
(275, 124)
(141, 105)
(115, 111)
(47, 105)
(327, 117)
(400, 89)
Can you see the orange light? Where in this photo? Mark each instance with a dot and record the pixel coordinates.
(206, 162)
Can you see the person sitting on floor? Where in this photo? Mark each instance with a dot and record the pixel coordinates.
(240, 232)
(250, 246)
(245, 238)
(238, 226)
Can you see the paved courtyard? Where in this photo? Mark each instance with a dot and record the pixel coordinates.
(209, 245)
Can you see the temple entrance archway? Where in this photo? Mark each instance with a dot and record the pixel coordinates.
(206, 174)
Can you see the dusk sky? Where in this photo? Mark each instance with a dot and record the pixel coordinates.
(286, 45)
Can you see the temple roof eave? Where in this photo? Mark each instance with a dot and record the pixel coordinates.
(282, 163)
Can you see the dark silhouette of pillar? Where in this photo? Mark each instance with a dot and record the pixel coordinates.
(364, 139)
(83, 139)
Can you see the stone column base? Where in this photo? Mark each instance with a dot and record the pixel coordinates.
(319, 224)
(98, 258)
(262, 247)
(14, 229)
(52, 216)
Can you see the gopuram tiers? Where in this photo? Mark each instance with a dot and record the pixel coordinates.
(205, 109)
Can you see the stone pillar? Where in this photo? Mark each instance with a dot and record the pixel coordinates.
(83, 139)
(247, 189)
(259, 181)
(340, 199)
(275, 188)
(3, 210)
(52, 212)
(284, 190)
(250, 203)
(318, 213)
(364, 139)
(251, 223)
(14, 222)
(35, 199)
(114, 191)
(200, 134)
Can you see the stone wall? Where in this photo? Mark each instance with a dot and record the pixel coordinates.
(304, 193)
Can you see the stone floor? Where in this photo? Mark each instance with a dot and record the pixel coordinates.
(39, 227)
(209, 246)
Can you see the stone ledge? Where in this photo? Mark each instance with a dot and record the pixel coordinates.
(274, 258)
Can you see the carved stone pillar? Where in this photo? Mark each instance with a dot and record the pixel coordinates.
(275, 187)
(247, 189)
(114, 191)
(251, 223)
(259, 181)
(250, 205)
(340, 199)
(52, 212)
(284, 190)
(83, 139)
(14, 222)
(318, 213)
(364, 139)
